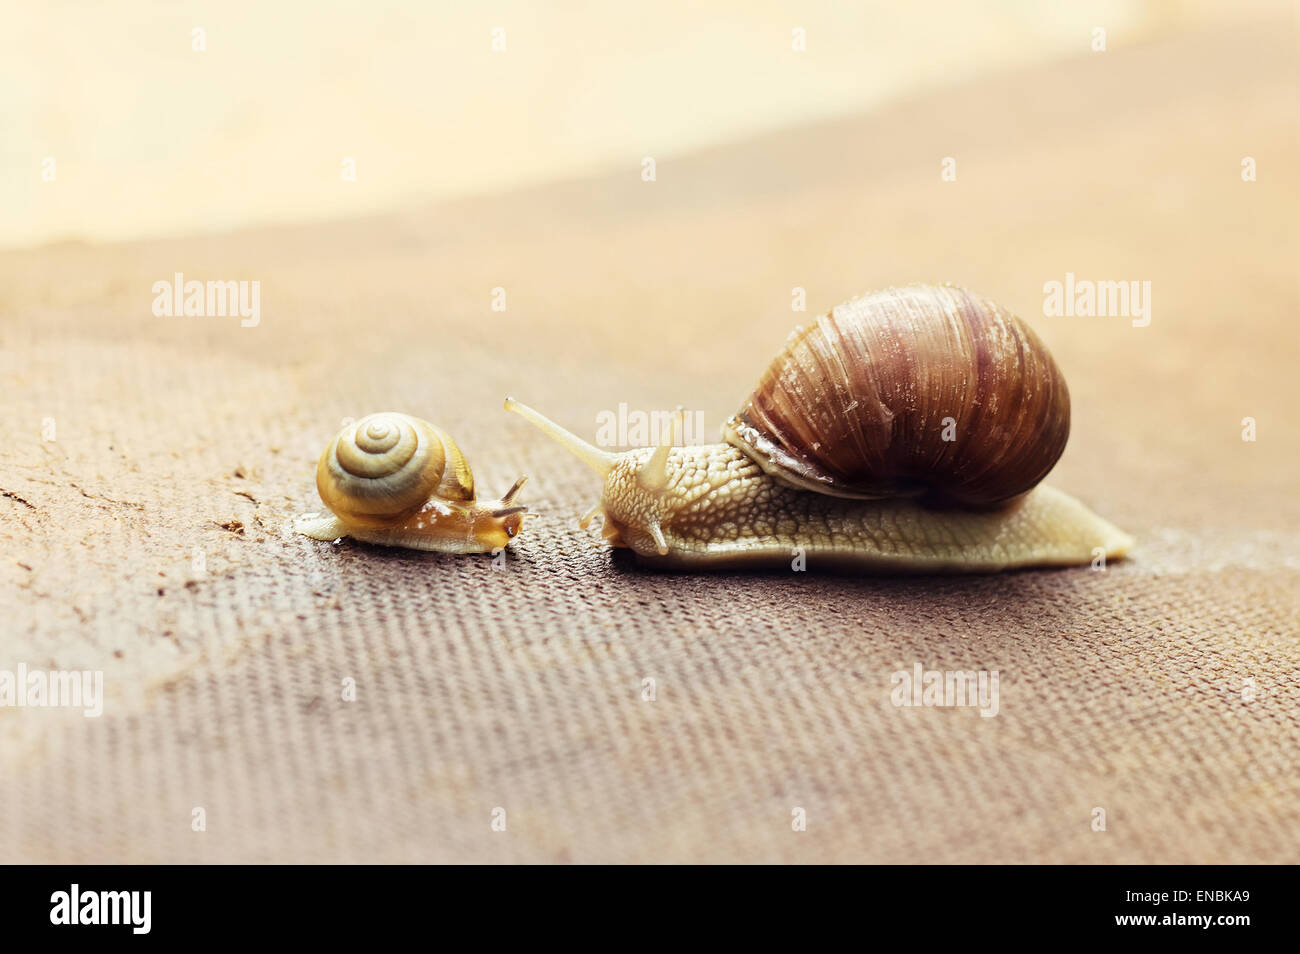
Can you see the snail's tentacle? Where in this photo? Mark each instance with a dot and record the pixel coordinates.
(585, 520)
(657, 534)
(509, 495)
(598, 460)
(654, 475)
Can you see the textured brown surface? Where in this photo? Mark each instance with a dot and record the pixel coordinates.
(520, 687)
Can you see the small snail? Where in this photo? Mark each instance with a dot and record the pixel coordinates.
(907, 430)
(398, 481)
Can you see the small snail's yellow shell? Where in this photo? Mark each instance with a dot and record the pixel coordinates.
(384, 468)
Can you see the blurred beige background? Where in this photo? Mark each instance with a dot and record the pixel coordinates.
(150, 137)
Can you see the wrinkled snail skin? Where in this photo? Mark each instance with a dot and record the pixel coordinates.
(720, 510)
(840, 454)
(395, 480)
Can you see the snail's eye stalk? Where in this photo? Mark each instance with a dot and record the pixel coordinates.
(508, 497)
(654, 475)
(598, 460)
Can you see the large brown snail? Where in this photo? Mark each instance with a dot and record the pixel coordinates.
(399, 481)
(907, 430)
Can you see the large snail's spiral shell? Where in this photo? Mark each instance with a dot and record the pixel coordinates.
(856, 404)
(386, 466)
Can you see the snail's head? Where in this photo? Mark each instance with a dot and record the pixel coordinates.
(636, 500)
(499, 522)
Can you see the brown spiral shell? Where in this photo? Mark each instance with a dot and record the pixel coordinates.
(855, 404)
(380, 470)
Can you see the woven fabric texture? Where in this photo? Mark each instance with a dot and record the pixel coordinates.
(151, 465)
